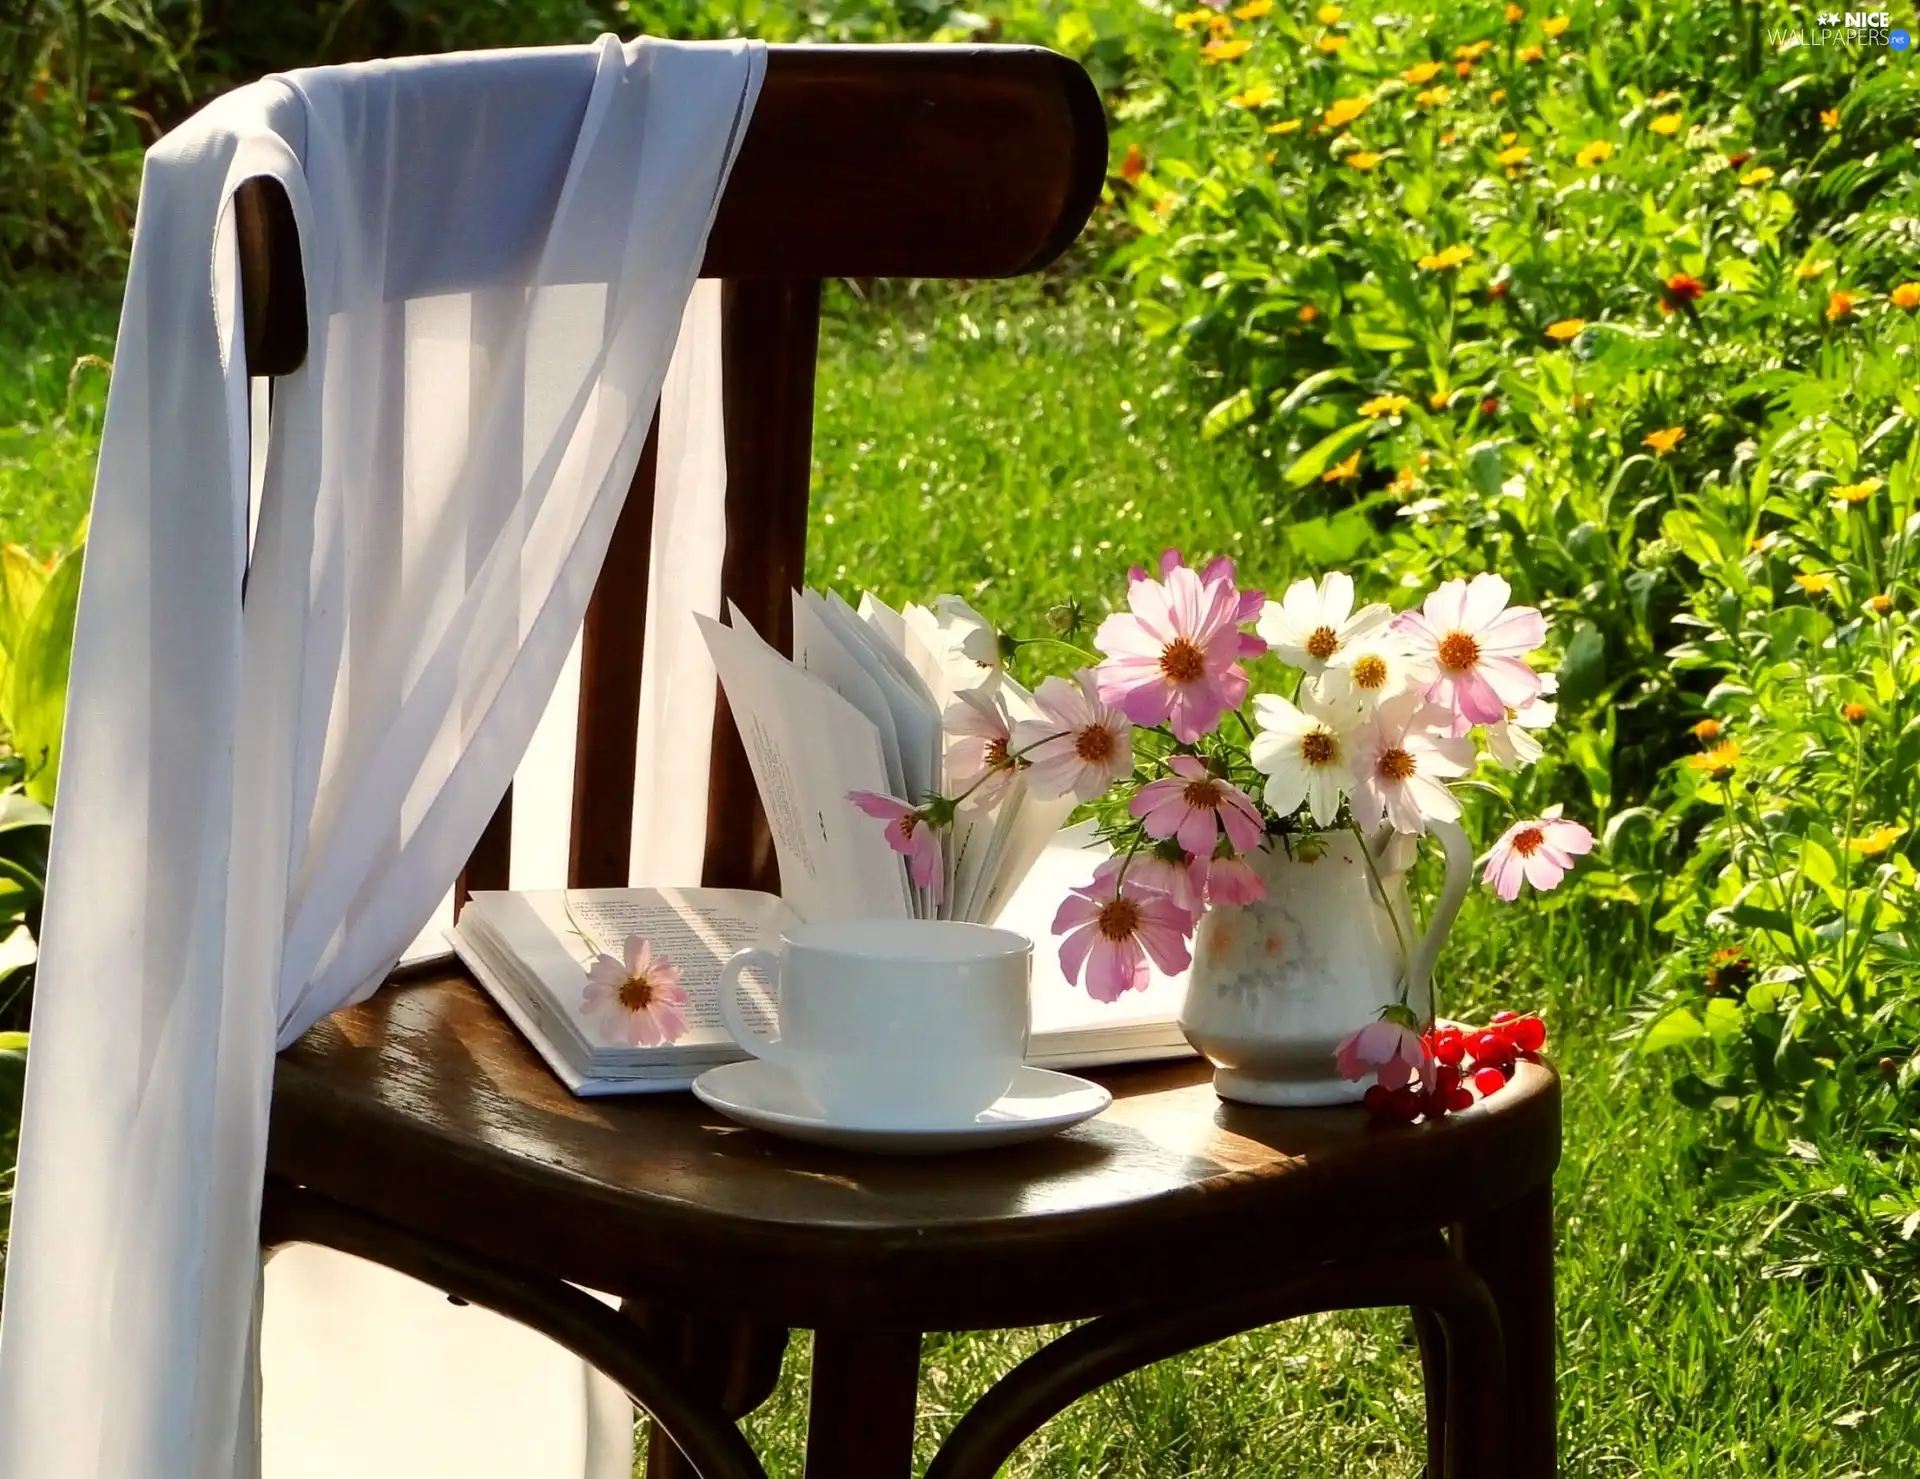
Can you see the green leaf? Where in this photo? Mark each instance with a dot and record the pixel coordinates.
(1723, 1017)
(36, 690)
(1754, 917)
(1583, 667)
(1228, 414)
(1324, 453)
(1331, 541)
(1309, 388)
(1676, 1027)
(1817, 863)
(1696, 1092)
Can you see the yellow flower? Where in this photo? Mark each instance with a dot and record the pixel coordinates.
(1906, 297)
(1666, 125)
(1497, 96)
(1507, 138)
(1345, 110)
(1220, 25)
(1875, 842)
(1446, 257)
(1555, 26)
(1447, 137)
(1665, 440)
(1343, 472)
(1329, 15)
(1808, 270)
(1565, 329)
(1516, 155)
(1529, 55)
(1363, 159)
(1421, 73)
(1719, 762)
(1516, 14)
(1257, 96)
(1433, 97)
(1758, 175)
(1829, 119)
(1847, 494)
(1598, 152)
(1188, 19)
(1438, 400)
(1404, 481)
(1285, 126)
(1253, 9)
(1225, 51)
(1330, 44)
(1839, 305)
(1473, 52)
(1879, 605)
(1384, 405)
(1816, 584)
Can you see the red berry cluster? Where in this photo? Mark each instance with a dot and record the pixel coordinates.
(1482, 1057)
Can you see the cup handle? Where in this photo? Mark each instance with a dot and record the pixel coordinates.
(1453, 892)
(769, 1048)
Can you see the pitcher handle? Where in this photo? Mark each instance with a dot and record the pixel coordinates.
(1453, 893)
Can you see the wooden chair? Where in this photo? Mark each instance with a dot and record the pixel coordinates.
(419, 1131)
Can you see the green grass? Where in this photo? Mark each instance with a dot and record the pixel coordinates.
(1020, 450)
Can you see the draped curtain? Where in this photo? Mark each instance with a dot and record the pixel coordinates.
(263, 799)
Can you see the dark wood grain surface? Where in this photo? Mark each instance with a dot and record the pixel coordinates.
(426, 1106)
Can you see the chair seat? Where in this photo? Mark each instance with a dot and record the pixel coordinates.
(425, 1107)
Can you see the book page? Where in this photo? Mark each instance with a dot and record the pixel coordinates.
(916, 713)
(818, 649)
(808, 748)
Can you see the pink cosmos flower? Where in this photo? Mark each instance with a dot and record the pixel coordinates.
(1080, 744)
(978, 765)
(1194, 805)
(1477, 646)
(1252, 603)
(1541, 852)
(1175, 656)
(1173, 877)
(1227, 879)
(636, 998)
(907, 834)
(1112, 928)
(1394, 1054)
(1403, 756)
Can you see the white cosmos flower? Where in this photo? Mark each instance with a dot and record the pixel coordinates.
(1508, 740)
(1403, 757)
(1371, 668)
(1310, 624)
(1306, 753)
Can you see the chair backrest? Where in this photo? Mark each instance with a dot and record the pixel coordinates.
(860, 161)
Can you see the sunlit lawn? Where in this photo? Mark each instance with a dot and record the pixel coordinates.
(1022, 451)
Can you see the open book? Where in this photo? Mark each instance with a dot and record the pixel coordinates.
(531, 952)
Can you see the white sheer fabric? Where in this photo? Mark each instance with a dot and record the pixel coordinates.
(262, 801)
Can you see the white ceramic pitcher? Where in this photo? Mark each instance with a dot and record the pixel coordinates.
(1278, 983)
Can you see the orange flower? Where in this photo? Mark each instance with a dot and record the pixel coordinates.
(1308, 313)
(1681, 291)
(1330, 44)
(1529, 55)
(1134, 165)
(1706, 731)
(1473, 52)
(1515, 14)
(1343, 472)
(1664, 440)
(1854, 713)
(1437, 401)
(1463, 69)
(1879, 605)
(1499, 288)
(1421, 73)
(1839, 305)
(1565, 329)
(1829, 119)
(1906, 297)
(1218, 50)
(1343, 111)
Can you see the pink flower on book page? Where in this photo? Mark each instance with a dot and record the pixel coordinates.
(636, 997)
(1174, 657)
(1112, 928)
(1195, 805)
(909, 834)
(1540, 852)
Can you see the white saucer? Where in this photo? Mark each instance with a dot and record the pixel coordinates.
(764, 1095)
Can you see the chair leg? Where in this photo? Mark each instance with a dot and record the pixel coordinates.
(1511, 1248)
(734, 1363)
(1431, 1337)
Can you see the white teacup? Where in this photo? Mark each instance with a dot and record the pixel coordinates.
(892, 1024)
